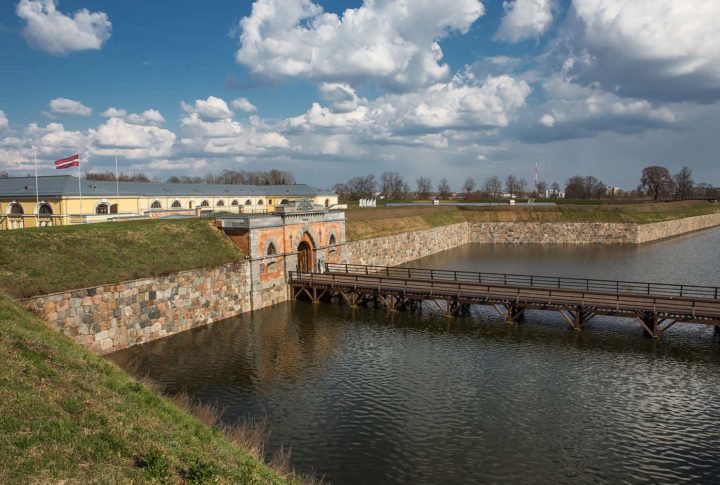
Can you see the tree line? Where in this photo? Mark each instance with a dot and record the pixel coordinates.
(232, 177)
(392, 185)
(655, 182)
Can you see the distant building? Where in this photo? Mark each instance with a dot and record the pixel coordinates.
(613, 191)
(60, 202)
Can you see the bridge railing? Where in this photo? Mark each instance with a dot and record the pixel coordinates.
(506, 279)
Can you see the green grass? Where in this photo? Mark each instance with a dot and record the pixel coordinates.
(46, 260)
(69, 415)
(366, 223)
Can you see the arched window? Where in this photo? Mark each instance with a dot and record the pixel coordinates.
(260, 202)
(235, 203)
(220, 203)
(16, 209)
(176, 204)
(102, 208)
(156, 205)
(327, 202)
(332, 242)
(45, 210)
(248, 202)
(284, 201)
(205, 203)
(271, 264)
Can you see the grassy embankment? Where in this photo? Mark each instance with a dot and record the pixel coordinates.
(365, 223)
(67, 414)
(46, 260)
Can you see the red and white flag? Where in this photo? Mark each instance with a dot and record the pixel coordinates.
(72, 161)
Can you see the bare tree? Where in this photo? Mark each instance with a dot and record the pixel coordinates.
(555, 188)
(657, 180)
(424, 187)
(511, 185)
(469, 185)
(443, 188)
(522, 185)
(392, 185)
(684, 183)
(493, 186)
(588, 187)
(122, 177)
(541, 188)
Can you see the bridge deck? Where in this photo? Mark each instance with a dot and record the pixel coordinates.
(578, 300)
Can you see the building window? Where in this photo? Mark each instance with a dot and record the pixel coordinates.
(190, 204)
(271, 265)
(332, 242)
(235, 203)
(45, 210)
(270, 201)
(248, 202)
(16, 209)
(114, 209)
(260, 202)
(156, 205)
(102, 208)
(327, 202)
(177, 205)
(205, 203)
(284, 201)
(220, 203)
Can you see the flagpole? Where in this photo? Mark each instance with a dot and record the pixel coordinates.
(37, 190)
(117, 188)
(80, 189)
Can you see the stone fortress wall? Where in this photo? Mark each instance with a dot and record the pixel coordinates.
(113, 317)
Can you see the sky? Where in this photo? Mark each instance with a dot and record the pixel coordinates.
(334, 89)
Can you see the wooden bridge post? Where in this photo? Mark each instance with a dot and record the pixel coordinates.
(650, 325)
(579, 318)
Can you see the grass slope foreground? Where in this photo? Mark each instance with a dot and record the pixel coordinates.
(67, 415)
(46, 260)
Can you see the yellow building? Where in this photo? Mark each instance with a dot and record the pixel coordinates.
(57, 200)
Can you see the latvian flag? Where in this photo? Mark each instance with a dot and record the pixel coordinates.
(73, 161)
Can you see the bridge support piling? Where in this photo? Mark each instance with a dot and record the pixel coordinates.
(717, 331)
(650, 324)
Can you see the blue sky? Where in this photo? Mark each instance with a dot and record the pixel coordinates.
(331, 89)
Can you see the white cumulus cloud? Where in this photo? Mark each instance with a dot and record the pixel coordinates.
(116, 136)
(243, 105)
(391, 41)
(69, 107)
(212, 108)
(52, 31)
(3, 120)
(525, 19)
(459, 104)
(664, 49)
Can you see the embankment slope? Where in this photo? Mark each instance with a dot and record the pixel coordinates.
(47, 260)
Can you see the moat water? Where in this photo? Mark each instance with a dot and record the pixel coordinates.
(363, 396)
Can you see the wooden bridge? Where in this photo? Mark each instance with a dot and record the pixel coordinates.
(655, 306)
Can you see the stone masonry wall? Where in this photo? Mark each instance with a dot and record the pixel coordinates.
(400, 248)
(553, 233)
(660, 230)
(113, 317)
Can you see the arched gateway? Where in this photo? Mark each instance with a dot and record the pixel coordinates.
(306, 253)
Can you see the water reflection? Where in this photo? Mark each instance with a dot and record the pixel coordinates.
(364, 396)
